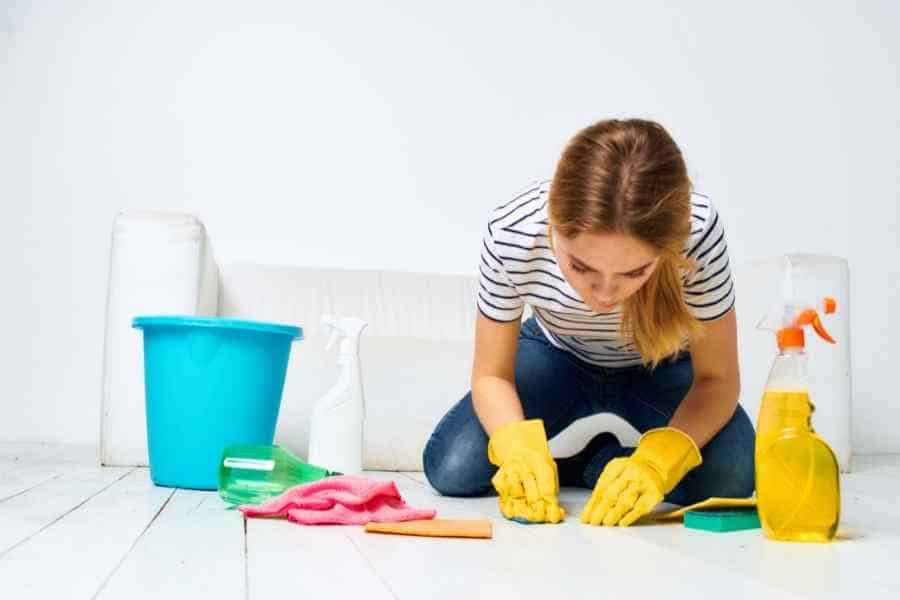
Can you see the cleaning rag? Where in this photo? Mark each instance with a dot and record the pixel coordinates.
(455, 528)
(340, 500)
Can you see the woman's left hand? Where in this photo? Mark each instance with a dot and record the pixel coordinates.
(629, 488)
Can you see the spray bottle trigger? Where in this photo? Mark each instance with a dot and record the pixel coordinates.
(811, 317)
(330, 327)
(820, 329)
(332, 339)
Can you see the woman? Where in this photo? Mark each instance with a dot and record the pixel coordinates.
(627, 274)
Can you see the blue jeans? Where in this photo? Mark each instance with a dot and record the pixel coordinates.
(559, 388)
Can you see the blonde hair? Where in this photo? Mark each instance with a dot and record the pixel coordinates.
(629, 177)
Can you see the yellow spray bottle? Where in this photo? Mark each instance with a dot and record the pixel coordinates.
(797, 475)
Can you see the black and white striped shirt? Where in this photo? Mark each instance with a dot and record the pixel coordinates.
(518, 268)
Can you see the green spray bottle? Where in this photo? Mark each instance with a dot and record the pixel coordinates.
(252, 474)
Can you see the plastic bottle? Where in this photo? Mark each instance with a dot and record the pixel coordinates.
(797, 475)
(336, 428)
(252, 474)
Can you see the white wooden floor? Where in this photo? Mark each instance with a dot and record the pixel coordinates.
(69, 529)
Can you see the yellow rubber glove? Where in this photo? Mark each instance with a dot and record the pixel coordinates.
(527, 480)
(630, 488)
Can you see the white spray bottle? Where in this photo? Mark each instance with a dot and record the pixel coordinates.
(336, 428)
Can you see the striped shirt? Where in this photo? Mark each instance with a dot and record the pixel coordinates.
(518, 268)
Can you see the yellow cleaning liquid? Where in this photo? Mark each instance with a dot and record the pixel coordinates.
(797, 476)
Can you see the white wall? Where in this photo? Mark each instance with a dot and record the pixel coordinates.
(344, 134)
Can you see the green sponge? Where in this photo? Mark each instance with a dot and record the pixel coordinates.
(722, 520)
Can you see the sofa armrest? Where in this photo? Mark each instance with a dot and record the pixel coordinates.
(160, 263)
(416, 353)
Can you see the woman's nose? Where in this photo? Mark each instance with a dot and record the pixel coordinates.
(603, 289)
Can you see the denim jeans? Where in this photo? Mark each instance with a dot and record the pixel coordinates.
(559, 388)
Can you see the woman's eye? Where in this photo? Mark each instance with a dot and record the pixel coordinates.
(637, 275)
(577, 269)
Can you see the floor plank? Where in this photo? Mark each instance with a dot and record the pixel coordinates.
(83, 547)
(868, 543)
(870, 535)
(289, 560)
(26, 466)
(193, 549)
(17, 481)
(542, 561)
(111, 530)
(27, 514)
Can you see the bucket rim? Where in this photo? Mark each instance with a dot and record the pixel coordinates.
(150, 321)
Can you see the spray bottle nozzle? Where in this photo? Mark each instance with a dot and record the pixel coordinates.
(332, 338)
(811, 317)
(797, 309)
(791, 334)
(348, 328)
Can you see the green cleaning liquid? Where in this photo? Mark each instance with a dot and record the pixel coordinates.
(252, 474)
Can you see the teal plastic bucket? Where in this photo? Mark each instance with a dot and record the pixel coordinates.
(209, 382)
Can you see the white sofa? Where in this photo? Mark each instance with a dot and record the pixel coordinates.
(416, 353)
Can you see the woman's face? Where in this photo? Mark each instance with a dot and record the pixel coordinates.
(604, 269)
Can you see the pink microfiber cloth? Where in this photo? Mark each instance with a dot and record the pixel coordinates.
(340, 500)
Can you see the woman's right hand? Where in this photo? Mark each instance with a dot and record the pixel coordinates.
(527, 480)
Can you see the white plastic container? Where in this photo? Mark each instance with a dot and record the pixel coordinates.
(160, 263)
(336, 428)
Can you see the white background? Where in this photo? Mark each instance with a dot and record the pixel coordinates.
(347, 134)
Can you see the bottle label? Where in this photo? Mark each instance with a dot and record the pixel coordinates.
(250, 464)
